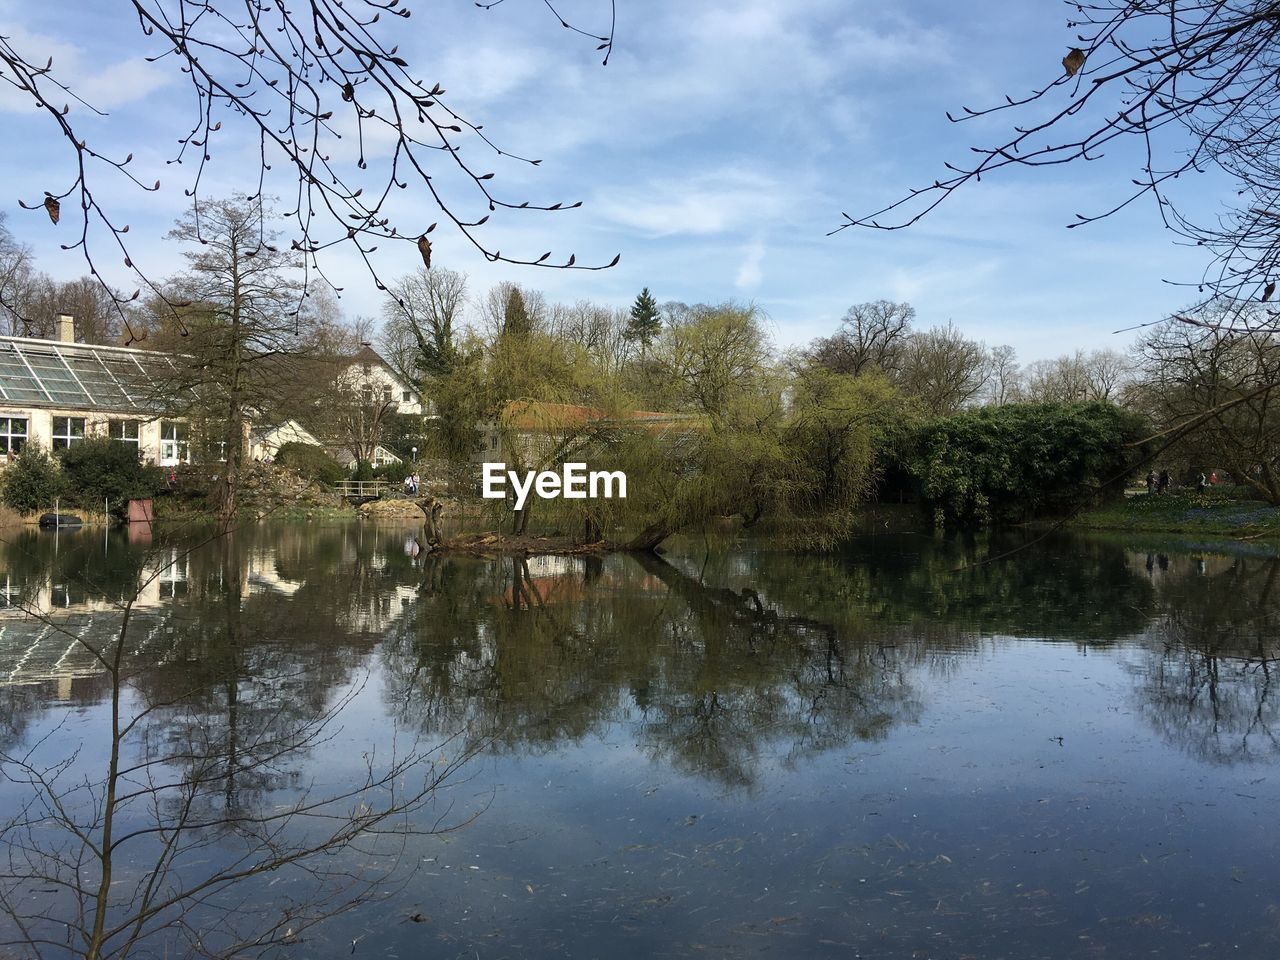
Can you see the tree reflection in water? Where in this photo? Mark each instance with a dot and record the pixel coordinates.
(719, 666)
(164, 826)
(1208, 684)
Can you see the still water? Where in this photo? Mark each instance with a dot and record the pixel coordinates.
(899, 751)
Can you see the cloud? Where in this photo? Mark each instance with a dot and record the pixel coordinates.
(483, 75)
(713, 203)
(104, 87)
(750, 272)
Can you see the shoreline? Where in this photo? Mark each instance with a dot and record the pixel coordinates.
(1207, 514)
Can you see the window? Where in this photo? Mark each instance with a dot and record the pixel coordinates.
(493, 442)
(174, 446)
(386, 394)
(66, 431)
(405, 396)
(13, 434)
(126, 431)
(173, 579)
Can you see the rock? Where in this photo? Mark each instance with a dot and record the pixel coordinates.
(391, 509)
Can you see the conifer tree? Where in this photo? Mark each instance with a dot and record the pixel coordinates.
(645, 322)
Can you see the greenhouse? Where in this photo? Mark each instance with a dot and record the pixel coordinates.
(58, 392)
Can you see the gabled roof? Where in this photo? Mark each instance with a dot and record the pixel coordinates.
(366, 354)
(264, 433)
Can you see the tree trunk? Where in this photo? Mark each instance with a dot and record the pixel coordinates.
(432, 509)
(647, 540)
(227, 492)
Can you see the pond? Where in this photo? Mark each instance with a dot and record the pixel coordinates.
(918, 747)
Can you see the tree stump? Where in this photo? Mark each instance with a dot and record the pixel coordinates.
(432, 509)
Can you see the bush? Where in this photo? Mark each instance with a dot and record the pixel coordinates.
(311, 463)
(1012, 463)
(33, 481)
(395, 472)
(101, 468)
(363, 471)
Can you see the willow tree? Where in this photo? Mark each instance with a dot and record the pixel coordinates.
(740, 437)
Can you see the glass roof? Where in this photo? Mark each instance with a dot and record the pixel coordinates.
(80, 375)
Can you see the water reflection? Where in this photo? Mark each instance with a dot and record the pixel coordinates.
(961, 752)
(723, 656)
(160, 826)
(1207, 682)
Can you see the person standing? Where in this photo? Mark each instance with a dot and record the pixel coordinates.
(1151, 482)
(1200, 483)
(1162, 485)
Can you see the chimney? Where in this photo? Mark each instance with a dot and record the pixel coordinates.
(66, 329)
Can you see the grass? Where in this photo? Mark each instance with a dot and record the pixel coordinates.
(1214, 512)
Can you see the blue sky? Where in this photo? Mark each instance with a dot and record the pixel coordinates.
(714, 152)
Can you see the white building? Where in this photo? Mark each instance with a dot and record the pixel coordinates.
(377, 383)
(58, 393)
(266, 442)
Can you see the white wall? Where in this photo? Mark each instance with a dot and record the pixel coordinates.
(40, 427)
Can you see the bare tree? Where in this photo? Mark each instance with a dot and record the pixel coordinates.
(871, 335)
(302, 82)
(1191, 81)
(421, 318)
(1108, 373)
(15, 278)
(237, 317)
(1225, 381)
(943, 368)
(599, 330)
(1072, 378)
(1062, 379)
(1004, 377)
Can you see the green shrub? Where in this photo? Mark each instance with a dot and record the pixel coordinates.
(402, 432)
(395, 472)
(101, 468)
(363, 471)
(1016, 462)
(311, 463)
(33, 481)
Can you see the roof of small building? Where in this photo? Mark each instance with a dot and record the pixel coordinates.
(537, 415)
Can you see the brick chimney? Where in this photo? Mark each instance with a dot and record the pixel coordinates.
(66, 329)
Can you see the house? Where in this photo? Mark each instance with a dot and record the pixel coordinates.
(59, 392)
(378, 383)
(381, 457)
(266, 441)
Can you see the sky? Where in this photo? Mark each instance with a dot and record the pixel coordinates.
(714, 152)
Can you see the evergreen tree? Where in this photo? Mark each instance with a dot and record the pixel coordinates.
(645, 322)
(516, 320)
